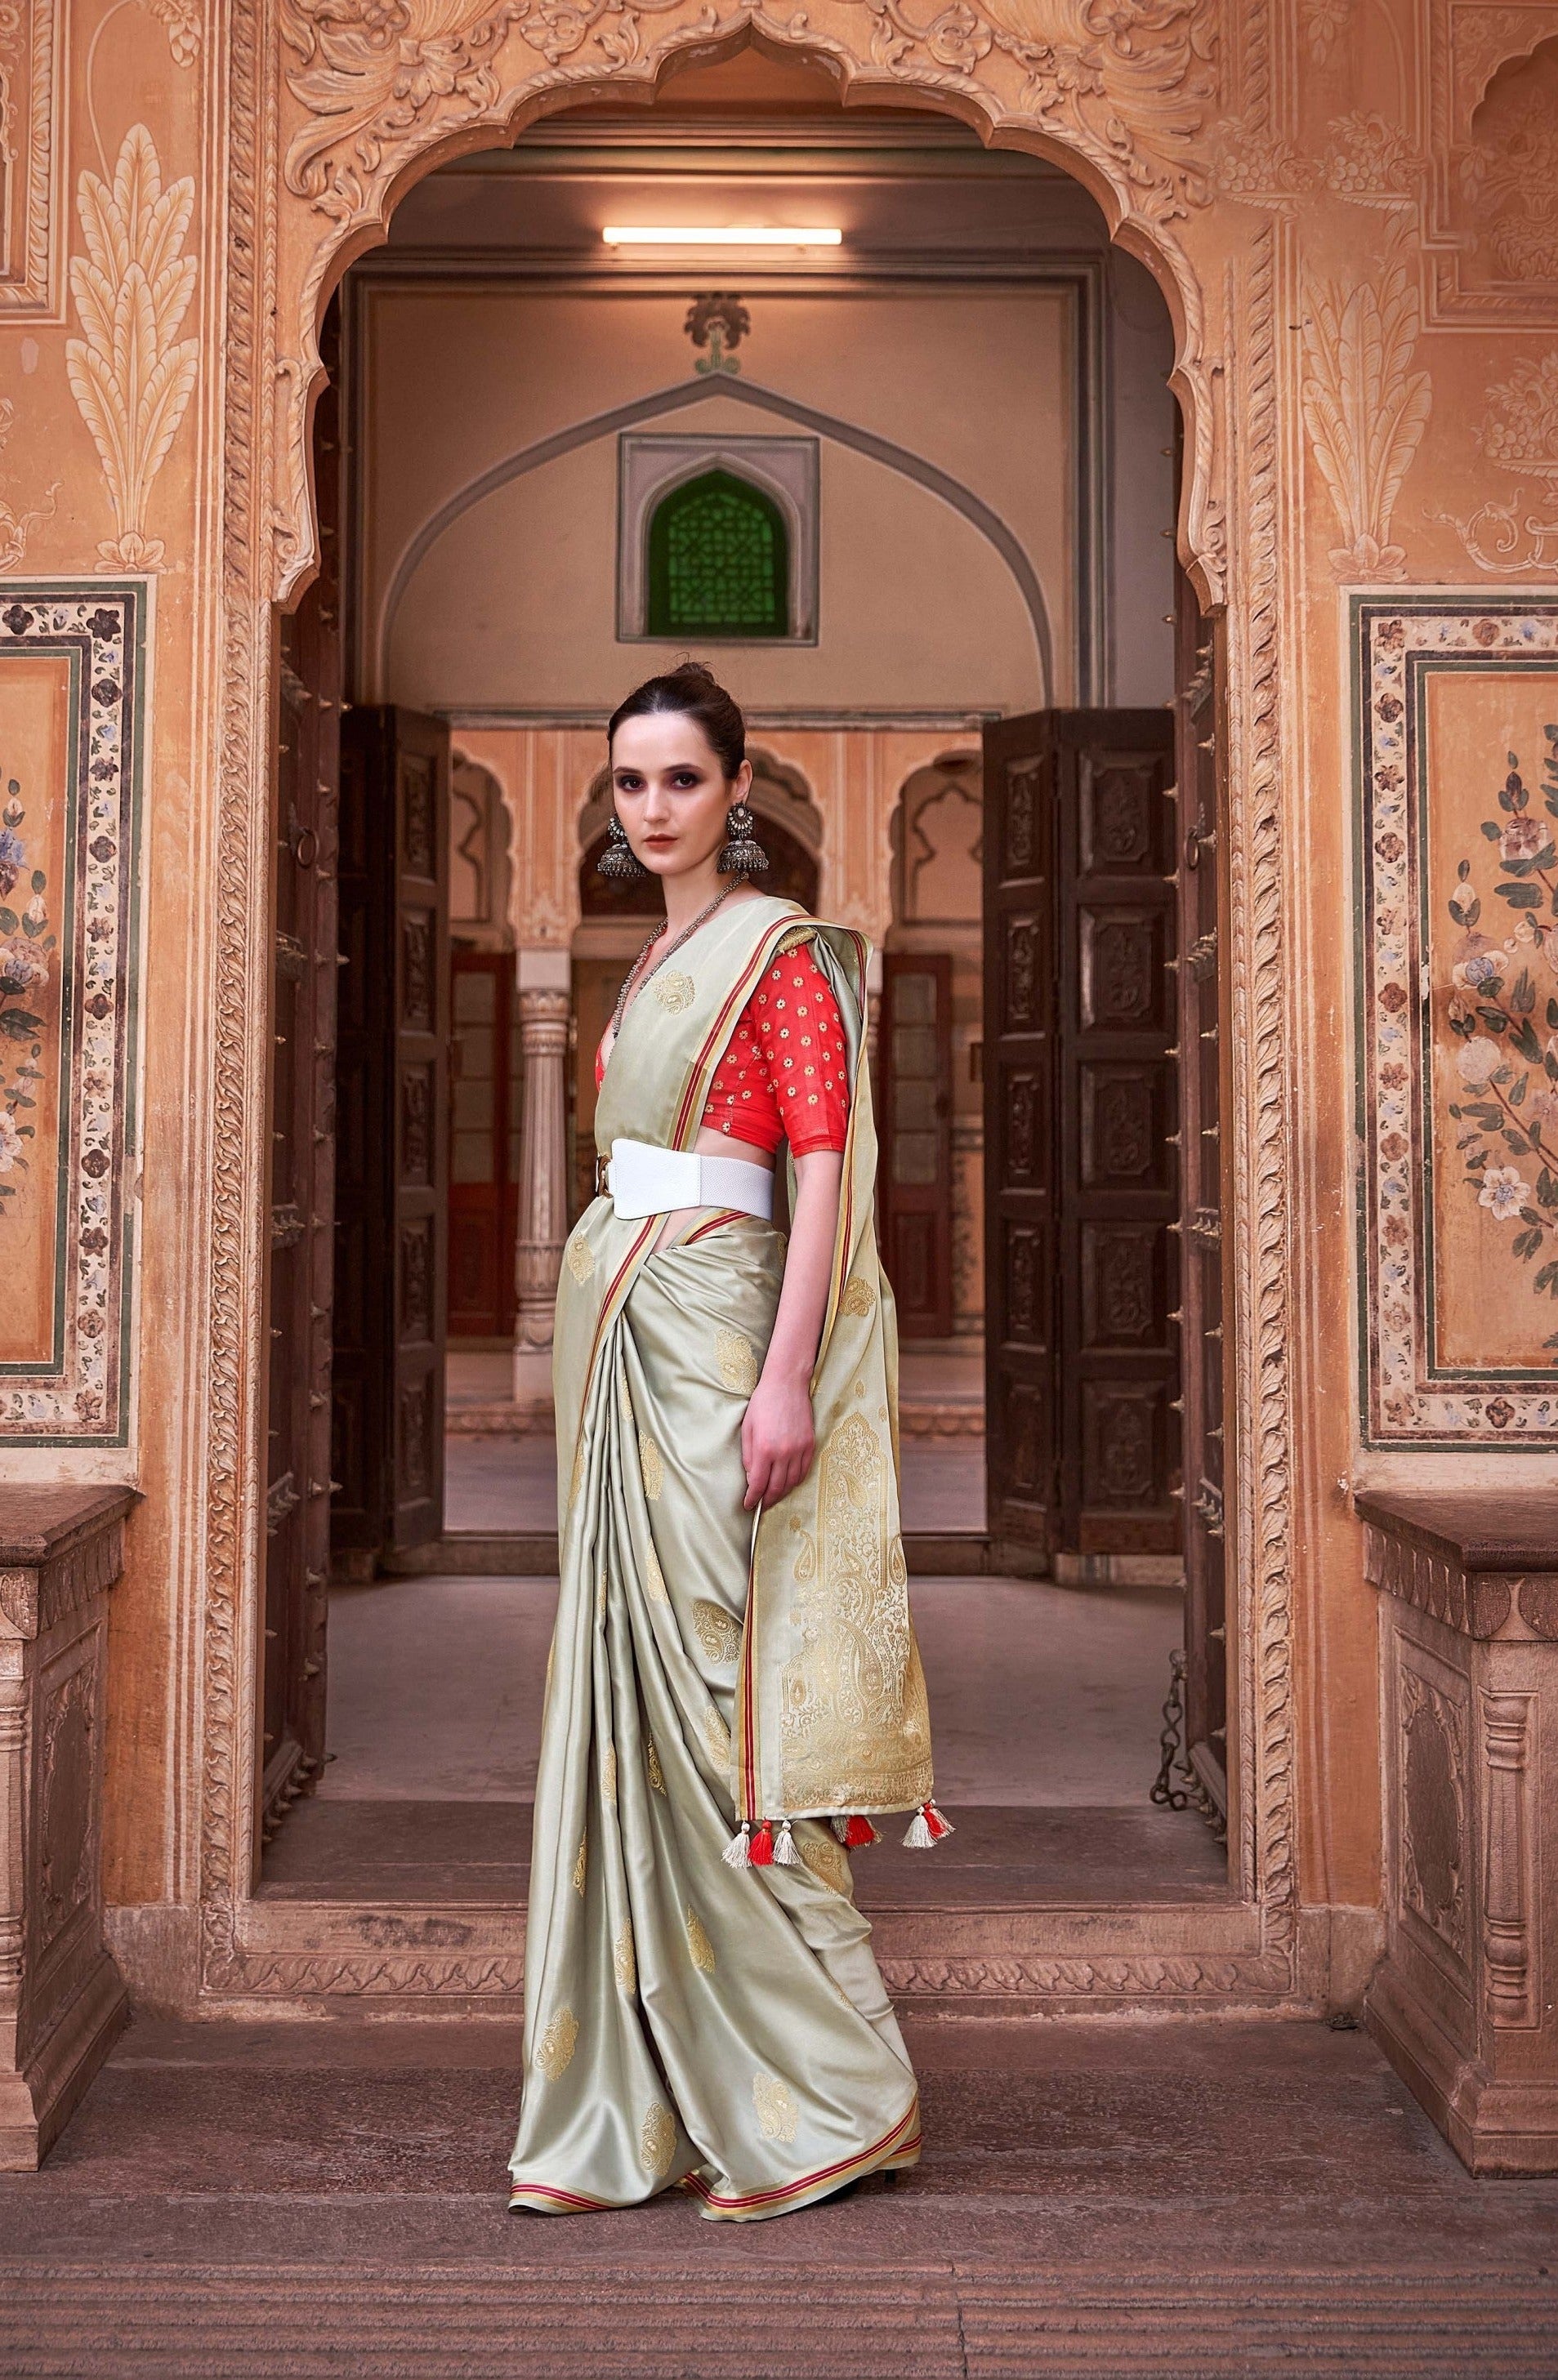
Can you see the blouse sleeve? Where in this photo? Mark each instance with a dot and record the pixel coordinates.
(799, 1035)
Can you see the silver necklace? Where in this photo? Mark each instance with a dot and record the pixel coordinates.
(632, 974)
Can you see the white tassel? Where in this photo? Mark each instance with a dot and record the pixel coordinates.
(919, 1838)
(785, 1851)
(840, 1828)
(738, 1853)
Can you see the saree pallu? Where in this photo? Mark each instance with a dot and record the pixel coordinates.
(687, 2022)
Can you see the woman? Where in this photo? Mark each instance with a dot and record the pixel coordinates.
(734, 1681)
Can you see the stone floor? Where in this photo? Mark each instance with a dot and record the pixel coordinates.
(1183, 2199)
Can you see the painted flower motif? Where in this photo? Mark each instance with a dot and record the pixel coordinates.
(13, 857)
(1479, 1059)
(1544, 1111)
(1476, 971)
(10, 1141)
(1500, 1411)
(1521, 839)
(21, 965)
(1503, 1192)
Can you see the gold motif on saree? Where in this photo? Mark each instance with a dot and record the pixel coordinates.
(859, 1296)
(854, 1677)
(576, 1481)
(581, 1864)
(581, 1260)
(625, 1960)
(651, 1762)
(555, 2049)
(601, 1597)
(654, 1579)
(608, 1773)
(674, 991)
(719, 1634)
(827, 1859)
(700, 1951)
(777, 2112)
(736, 1360)
(657, 2141)
(624, 1403)
(716, 1735)
(651, 1462)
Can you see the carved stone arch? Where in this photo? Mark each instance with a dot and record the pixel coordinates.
(368, 109)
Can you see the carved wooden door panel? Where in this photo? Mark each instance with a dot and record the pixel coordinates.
(1080, 1181)
(302, 1164)
(915, 1054)
(1021, 1445)
(485, 1089)
(1200, 710)
(1119, 1181)
(393, 1134)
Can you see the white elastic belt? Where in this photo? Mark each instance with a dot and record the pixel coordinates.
(643, 1180)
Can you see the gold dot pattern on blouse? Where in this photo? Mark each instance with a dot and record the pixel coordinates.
(625, 1960)
(654, 1578)
(581, 1260)
(827, 1859)
(737, 1361)
(657, 2141)
(651, 1762)
(718, 1633)
(700, 1951)
(555, 2049)
(674, 991)
(784, 1072)
(651, 1462)
(581, 1864)
(777, 2112)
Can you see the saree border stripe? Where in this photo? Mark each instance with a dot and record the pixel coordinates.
(607, 1315)
(567, 2202)
(715, 1221)
(837, 2174)
(694, 1099)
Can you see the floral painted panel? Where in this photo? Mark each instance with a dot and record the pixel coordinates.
(1456, 720)
(72, 668)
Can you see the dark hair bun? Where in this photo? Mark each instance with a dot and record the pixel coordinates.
(690, 691)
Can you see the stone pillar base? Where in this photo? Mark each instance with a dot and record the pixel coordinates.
(532, 1377)
(1463, 2004)
(61, 1998)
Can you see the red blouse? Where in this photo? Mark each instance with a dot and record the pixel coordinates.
(784, 1072)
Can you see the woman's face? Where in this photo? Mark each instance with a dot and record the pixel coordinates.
(671, 791)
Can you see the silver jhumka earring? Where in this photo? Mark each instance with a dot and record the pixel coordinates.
(619, 858)
(743, 854)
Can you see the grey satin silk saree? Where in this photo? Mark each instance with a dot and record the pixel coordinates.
(688, 2022)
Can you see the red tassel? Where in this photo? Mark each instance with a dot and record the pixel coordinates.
(939, 1825)
(857, 1833)
(763, 1846)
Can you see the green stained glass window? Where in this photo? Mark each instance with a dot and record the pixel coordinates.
(719, 561)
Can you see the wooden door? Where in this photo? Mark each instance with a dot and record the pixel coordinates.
(485, 1093)
(393, 1131)
(302, 1160)
(1082, 1187)
(1205, 1478)
(915, 1057)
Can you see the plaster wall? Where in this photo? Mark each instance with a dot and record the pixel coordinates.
(1356, 249)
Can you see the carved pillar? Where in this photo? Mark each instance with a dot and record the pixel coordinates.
(61, 1999)
(1463, 2005)
(545, 1005)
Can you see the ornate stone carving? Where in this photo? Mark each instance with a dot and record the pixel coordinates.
(544, 1208)
(1519, 434)
(1364, 408)
(1506, 1881)
(130, 376)
(1433, 1792)
(30, 195)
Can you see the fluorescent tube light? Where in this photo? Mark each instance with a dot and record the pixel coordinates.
(716, 236)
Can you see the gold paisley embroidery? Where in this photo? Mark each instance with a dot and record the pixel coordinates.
(827, 1859)
(608, 1773)
(651, 1462)
(601, 1597)
(657, 2141)
(625, 1960)
(777, 2112)
(651, 1762)
(859, 1296)
(581, 1864)
(654, 1579)
(581, 1260)
(700, 1951)
(738, 1363)
(624, 1401)
(719, 1634)
(716, 1735)
(853, 1719)
(674, 991)
(555, 2049)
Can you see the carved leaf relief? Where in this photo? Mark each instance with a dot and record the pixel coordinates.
(1364, 408)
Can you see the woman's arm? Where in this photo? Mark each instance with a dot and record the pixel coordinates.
(777, 1438)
